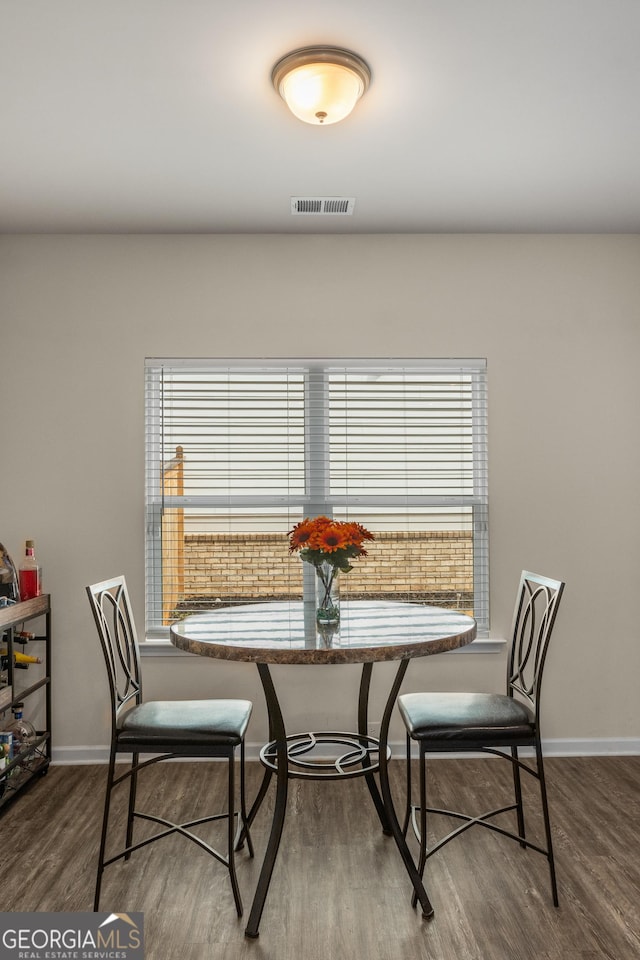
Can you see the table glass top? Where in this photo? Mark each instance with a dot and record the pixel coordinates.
(287, 632)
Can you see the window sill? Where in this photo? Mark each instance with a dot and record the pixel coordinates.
(483, 645)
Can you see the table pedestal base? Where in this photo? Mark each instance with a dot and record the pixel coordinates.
(361, 757)
(284, 757)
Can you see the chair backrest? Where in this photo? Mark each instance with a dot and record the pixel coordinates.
(534, 616)
(117, 631)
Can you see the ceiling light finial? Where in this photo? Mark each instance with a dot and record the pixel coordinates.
(321, 85)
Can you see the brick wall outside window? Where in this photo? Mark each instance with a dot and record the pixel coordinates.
(433, 566)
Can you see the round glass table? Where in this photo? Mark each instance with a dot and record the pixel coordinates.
(287, 633)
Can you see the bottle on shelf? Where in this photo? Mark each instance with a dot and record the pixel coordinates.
(25, 658)
(30, 573)
(21, 661)
(6, 748)
(22, 731)
(8, 579)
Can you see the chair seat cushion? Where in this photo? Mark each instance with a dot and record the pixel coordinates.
(467, 718)
(182, 723)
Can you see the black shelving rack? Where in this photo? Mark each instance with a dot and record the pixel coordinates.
(32, 761)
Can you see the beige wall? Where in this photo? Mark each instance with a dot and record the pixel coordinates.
(558, 319)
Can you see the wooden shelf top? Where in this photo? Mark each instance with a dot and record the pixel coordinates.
(24, 610)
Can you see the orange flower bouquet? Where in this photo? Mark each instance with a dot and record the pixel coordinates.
(330, 546)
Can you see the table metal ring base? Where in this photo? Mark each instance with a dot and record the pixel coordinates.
(361, 758)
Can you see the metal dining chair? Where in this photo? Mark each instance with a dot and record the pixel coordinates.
(492, 723)
(160, 730)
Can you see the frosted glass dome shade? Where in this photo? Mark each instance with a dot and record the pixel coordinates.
(321, 85)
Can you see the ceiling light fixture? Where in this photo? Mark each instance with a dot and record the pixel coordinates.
(321, 85)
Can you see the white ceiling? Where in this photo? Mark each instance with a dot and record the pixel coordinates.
(159, 116)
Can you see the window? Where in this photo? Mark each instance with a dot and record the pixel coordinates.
(238, 452)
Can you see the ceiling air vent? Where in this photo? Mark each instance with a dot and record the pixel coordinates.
(321, 206)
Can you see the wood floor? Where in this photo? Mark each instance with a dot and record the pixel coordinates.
(339, 890)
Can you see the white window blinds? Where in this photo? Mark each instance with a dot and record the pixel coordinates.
(238, 452)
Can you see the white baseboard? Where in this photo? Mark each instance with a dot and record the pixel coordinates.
(600, 747)
(594, 747)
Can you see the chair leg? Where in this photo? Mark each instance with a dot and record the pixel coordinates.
(547, 824)
(133, 786)
(517, 788)
(231, 834)
(243, 804)
(407, 812)
(105, 825)
(423, 810)
(423, 816)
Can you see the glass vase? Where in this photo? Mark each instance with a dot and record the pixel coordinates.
(327, 593)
